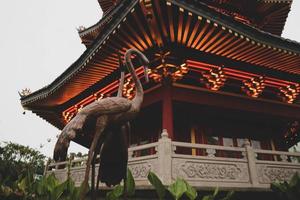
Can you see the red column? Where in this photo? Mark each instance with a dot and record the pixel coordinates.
(167, 109)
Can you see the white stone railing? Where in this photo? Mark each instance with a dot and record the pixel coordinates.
(208, 166)
(276, 166)
(140, 165)
(211, 170)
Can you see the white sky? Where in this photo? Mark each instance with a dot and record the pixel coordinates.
(38, 41)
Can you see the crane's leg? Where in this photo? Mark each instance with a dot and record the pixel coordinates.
(93, 178)
(100, 126)
(98, 152)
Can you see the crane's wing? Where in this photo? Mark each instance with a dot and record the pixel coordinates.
(114, 156)
(111, 105)
(106, 106)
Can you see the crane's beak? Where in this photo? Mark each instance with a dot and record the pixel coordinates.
(145, 62)
(146, 74)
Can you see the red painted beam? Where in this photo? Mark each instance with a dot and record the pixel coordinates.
(200, 96)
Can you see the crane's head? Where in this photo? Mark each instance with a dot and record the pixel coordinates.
(142, 58)
(145, 62)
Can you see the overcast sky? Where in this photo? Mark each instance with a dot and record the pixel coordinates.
(38, 41)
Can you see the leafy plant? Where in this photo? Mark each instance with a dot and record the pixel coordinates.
(128, 189)
(177, 189)
(46, 188)
(182, 188)
(130, 184)
(116, 193)
(16, 160)
(157, 184)
(213, 196)
(288, 190)
(229, 196)
(191, 192)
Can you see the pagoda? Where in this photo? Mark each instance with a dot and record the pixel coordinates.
(223, 92)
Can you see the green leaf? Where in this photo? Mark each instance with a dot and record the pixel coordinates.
(295, 180)
(69, 187)
(58, 191)
(6, 191)
(208, 197)
(42, 187)
(216, 192)
(157, 184)
(278, 187)
(178, 188)
(22, 185)
(191, 192)
(130, 184)
(77, 191)
(116, 193)
(51, 182)
(211, 196)
(229, 195)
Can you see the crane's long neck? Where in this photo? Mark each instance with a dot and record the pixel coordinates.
(121, 84)
(139, 92)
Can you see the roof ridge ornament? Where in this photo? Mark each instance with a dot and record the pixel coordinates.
(81, 28)
(24, 92)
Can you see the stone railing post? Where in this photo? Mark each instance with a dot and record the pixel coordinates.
(251, 164)
(46, 163)
(164, 151)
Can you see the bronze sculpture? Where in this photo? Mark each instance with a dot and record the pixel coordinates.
(110, 116)
(114, 151)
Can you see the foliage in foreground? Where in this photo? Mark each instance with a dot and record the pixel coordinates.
(126, 190)
(16, 160)
(179, 189)
(45, 188)
(288, 190)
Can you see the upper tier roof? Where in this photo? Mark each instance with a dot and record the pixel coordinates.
(267, 15)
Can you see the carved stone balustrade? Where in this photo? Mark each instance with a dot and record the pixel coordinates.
(201, 165)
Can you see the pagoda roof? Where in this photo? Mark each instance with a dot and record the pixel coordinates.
(267, 15)
(99, 62)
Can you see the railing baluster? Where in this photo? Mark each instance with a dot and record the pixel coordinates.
(251, 164)
(211, 152)
(165, 151)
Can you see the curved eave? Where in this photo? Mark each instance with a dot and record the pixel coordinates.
(103, 61)
(276, 15)
(88, 35)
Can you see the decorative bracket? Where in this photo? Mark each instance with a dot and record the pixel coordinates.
(214, 79)
(289, 93)
(254, 87)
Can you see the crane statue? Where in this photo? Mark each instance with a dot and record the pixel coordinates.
(110, 116)
(114, 151)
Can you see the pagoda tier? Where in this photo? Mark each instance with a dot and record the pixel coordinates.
(268, 16)
(207, 57)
